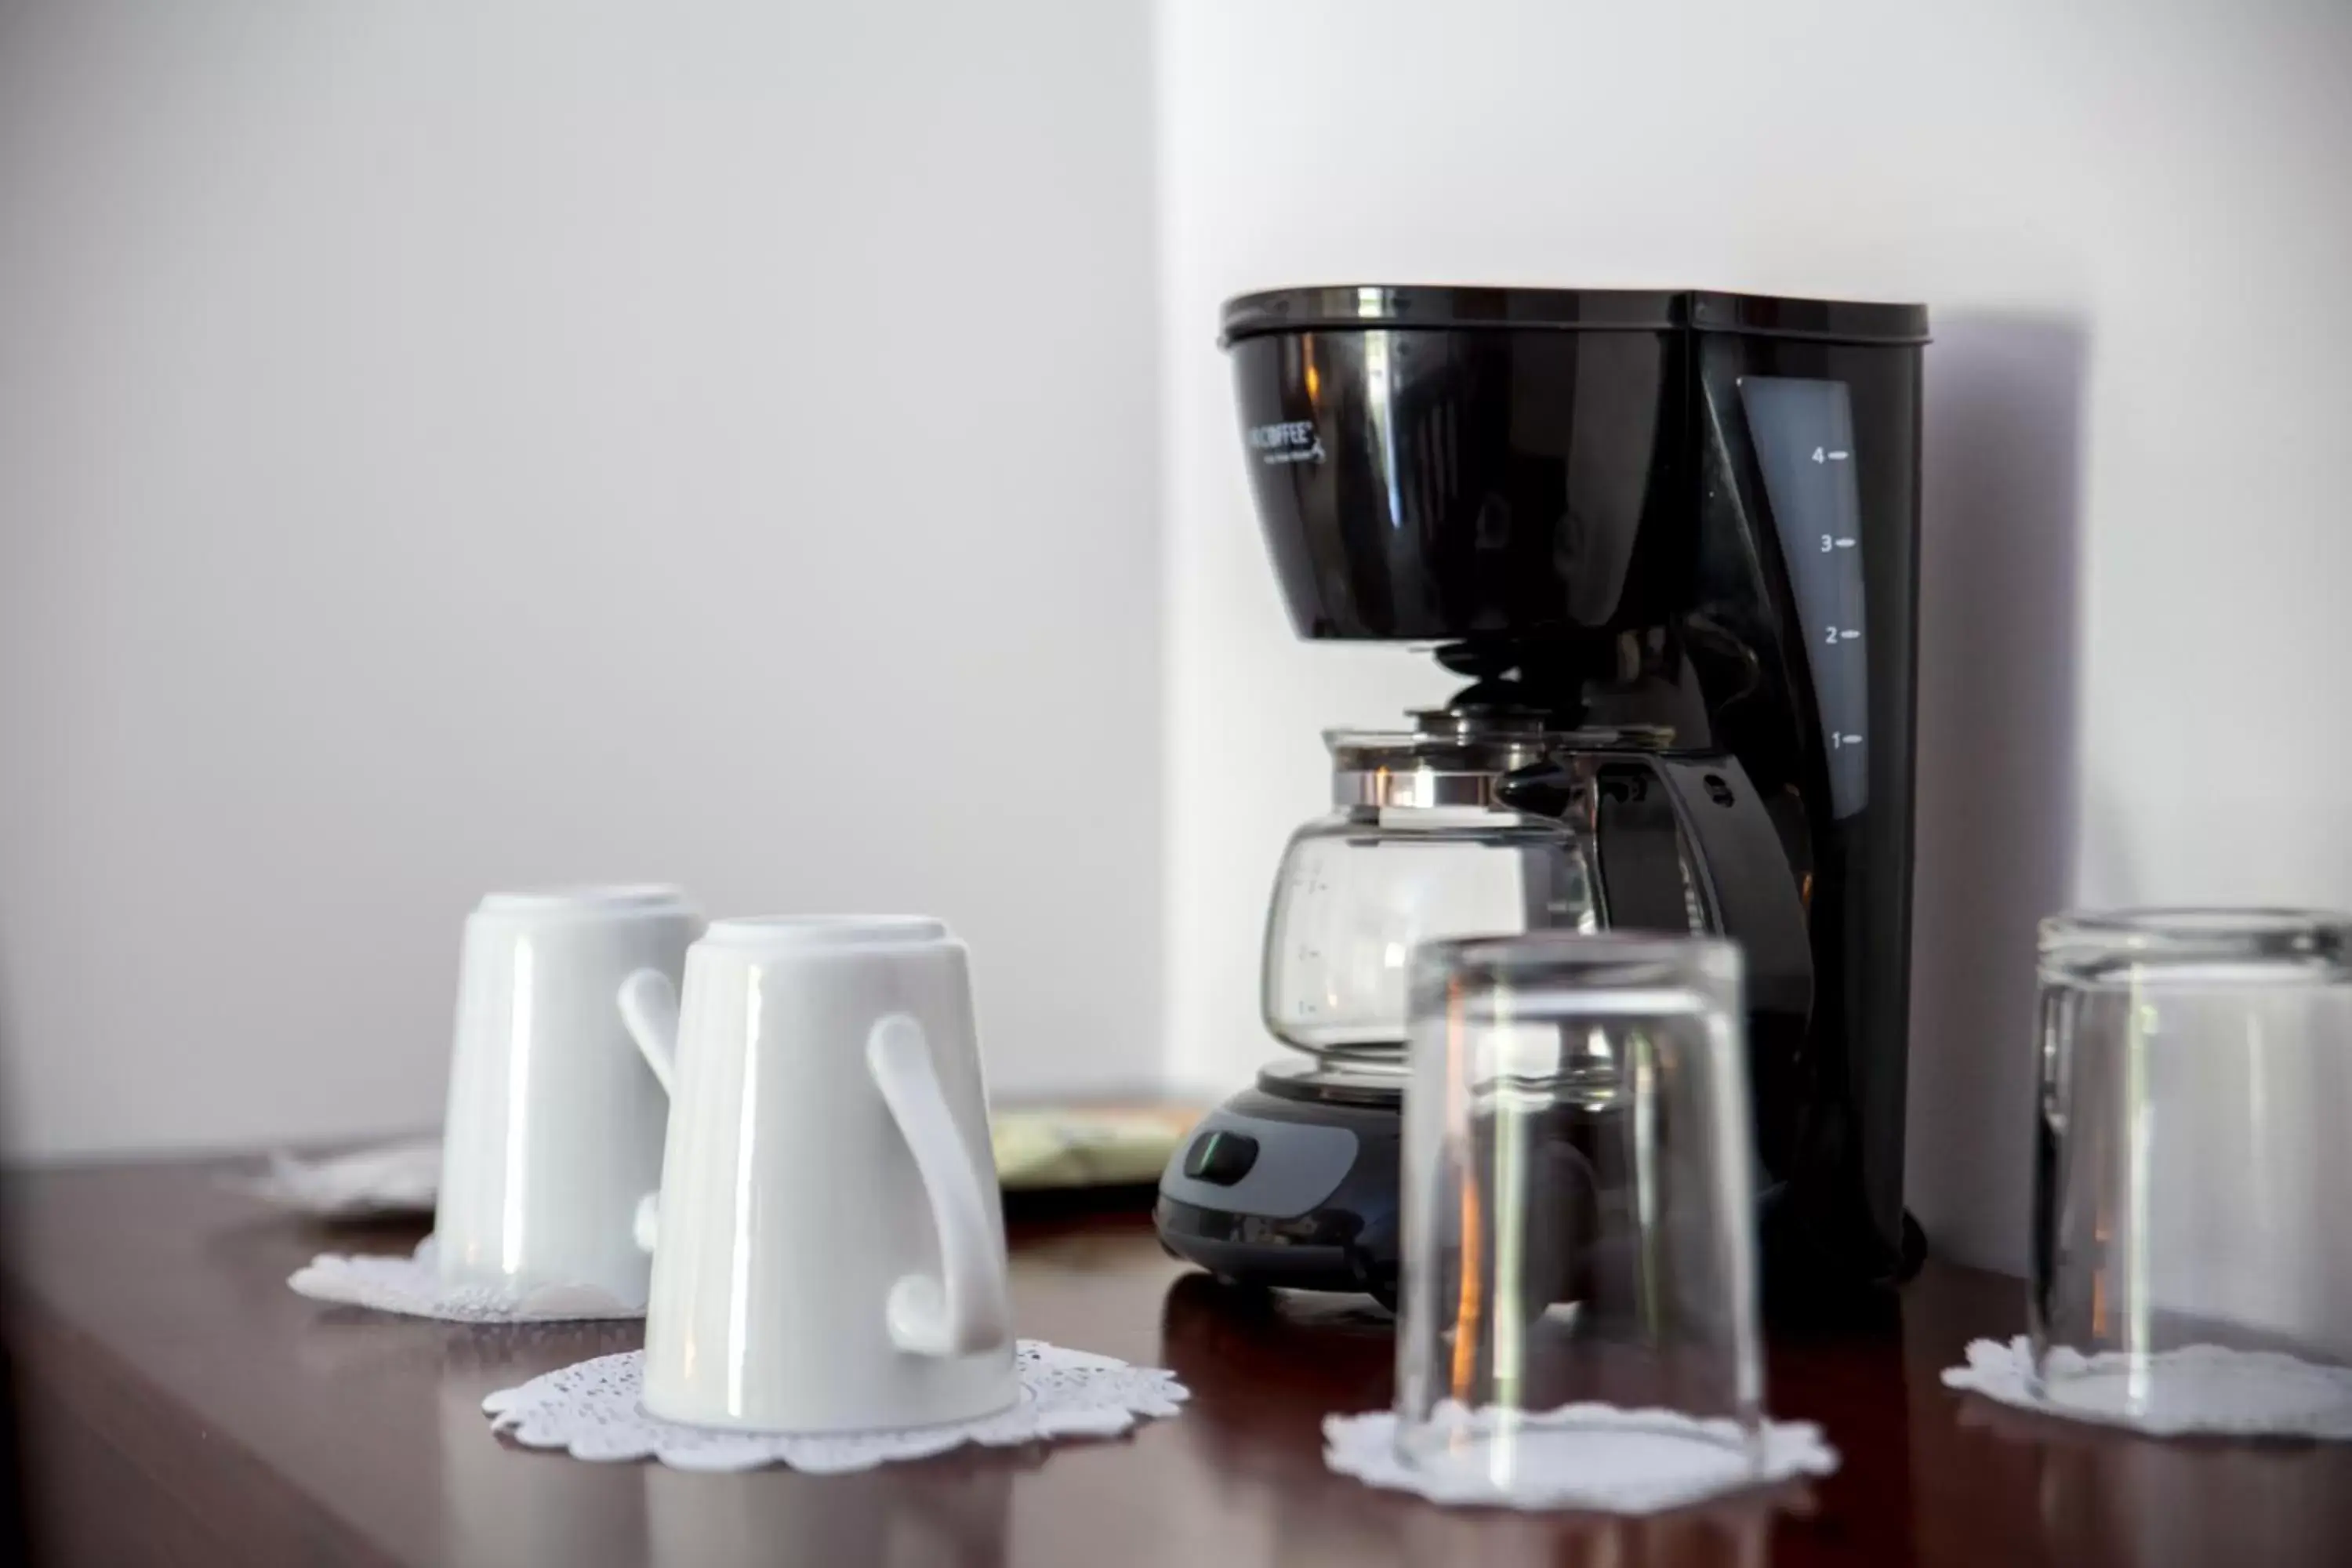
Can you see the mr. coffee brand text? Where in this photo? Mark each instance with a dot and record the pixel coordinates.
(1292, 441)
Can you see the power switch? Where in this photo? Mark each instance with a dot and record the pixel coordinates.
(1221, 1157)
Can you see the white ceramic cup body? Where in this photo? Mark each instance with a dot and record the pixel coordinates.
(555, 1124)
(808, 1218)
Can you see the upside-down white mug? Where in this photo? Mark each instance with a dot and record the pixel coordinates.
(554, 1125)
(830, 1255)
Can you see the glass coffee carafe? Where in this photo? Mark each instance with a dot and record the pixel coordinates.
(1424, 842)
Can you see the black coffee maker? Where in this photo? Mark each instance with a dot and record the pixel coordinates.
(1670, 542)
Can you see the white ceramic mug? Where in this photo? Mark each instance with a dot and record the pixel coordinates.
(554, 1126)
(831, 1247)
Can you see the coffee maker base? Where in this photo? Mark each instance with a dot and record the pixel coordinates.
(1292, 1182)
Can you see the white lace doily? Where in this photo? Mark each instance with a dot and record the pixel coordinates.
(412, 1285)
(365, 1183)
(591, 1409)
(1597, 1457)
(2197, 1389)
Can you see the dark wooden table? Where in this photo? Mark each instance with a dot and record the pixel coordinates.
(177, 1403)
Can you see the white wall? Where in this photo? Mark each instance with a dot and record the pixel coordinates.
(451, 446)
(2134, 222)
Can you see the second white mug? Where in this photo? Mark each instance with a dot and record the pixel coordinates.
(554, 1126)
(830, 1253)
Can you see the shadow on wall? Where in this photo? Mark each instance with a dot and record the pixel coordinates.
(1999, 554)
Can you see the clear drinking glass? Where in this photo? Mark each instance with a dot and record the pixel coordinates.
(1577, 1223)
(2193, 1165)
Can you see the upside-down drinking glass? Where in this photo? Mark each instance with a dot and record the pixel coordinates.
(2193, 1165)
(1580, 1270)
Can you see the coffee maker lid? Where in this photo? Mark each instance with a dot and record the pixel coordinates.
(1366, 305)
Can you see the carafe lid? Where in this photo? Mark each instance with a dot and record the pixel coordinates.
(1454, 756)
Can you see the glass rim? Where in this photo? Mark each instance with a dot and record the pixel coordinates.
(2100, 942)
(2156, 927)
(1702, 956)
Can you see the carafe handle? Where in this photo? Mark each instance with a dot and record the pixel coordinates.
(964, 1311)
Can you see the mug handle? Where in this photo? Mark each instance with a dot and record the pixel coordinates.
(648, 1002)
(649, 1010)
(964, 1311)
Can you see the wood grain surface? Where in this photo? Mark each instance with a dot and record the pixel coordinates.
(177, 1403)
